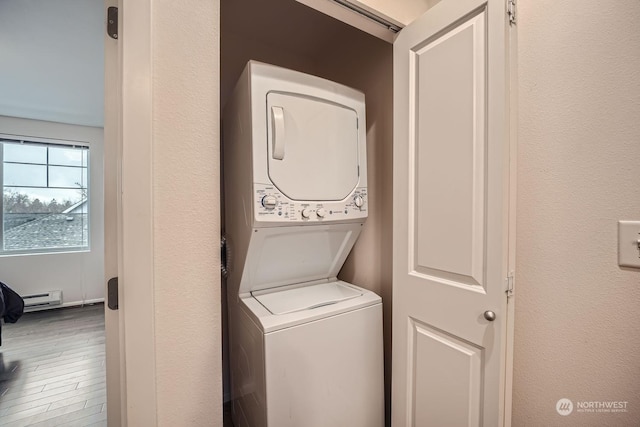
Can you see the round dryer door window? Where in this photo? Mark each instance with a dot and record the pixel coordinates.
(313, 147)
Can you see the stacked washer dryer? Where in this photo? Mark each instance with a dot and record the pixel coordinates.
(305, 347)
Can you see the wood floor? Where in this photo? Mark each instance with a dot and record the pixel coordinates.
(52, 369)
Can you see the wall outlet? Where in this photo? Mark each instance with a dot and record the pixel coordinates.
(629, 244)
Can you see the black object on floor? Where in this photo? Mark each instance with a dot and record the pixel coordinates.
(11, 306)
(52, 369)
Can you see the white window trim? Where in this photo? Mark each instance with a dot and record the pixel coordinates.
(50, 141)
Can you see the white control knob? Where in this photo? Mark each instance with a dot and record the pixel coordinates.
(359, 201)
(321, 212)
(269, 202)
(306, 212)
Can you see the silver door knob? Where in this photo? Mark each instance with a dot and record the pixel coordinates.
(490, 315)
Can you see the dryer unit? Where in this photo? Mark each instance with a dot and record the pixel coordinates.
(305, 348)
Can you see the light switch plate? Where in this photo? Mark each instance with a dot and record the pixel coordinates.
(628, 244)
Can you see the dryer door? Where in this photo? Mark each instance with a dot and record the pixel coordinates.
(312, 147)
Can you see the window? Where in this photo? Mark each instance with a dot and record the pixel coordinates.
(45, 196)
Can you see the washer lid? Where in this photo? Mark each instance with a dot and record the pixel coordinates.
(312, 147)
(306, 297)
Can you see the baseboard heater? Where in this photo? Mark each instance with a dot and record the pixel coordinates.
(43, 300)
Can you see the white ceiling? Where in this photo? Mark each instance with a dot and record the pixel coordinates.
(52, 60)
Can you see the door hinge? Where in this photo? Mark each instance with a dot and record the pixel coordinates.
(112, 22)
(511, 11)
(112, 293)
(510, 280)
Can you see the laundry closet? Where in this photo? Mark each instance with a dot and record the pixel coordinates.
(294, 36)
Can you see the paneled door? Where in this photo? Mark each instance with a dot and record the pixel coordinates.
(452, 210)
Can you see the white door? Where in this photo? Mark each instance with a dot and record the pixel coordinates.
(451, 216)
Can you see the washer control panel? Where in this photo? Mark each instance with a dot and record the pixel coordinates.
(273, 206)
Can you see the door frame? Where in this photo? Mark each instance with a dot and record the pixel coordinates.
(513, 160)
(136, 271)
(114, 349)
(131, 385)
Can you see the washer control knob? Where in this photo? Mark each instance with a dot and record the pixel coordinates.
(359, 201)
(306, 212)
(321, 212)
(269, 202)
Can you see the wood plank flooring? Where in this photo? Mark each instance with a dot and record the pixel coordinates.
(52, 369)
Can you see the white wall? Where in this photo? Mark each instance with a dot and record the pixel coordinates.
(576, 326)
(78, 274)
(52, 60)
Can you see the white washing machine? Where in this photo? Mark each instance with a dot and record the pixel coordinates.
(305, 348)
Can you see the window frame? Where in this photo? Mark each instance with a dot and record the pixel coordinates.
(19, 139)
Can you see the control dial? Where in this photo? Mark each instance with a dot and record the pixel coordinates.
(269, 202)
(358, 201)
(321, 212)
(306, 212)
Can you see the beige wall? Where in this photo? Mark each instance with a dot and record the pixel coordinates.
(186, 232)
(576, 327)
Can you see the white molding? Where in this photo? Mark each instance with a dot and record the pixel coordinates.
(114, 324)
(341, 13)
(513, 158)
(136, 272)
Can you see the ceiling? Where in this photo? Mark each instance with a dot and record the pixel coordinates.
(52, 60)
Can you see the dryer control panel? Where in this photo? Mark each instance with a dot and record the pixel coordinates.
(270, 205)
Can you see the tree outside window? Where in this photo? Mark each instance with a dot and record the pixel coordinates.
(45, 200)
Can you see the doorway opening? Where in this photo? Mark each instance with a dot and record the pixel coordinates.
(52, 211)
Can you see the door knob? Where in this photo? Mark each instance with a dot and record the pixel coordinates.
(490, 315)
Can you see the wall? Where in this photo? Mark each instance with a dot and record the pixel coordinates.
(52, 60)
(576, 326)
(185, 203)
(78, 274)
(254, 36)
